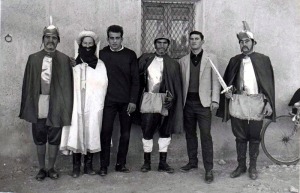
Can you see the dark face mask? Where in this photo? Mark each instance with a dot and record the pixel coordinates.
(84, 53)
(87, 56)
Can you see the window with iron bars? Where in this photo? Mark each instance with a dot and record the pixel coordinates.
(175, 19)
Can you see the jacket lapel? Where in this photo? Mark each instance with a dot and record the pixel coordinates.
(186, 69)
(203, 64)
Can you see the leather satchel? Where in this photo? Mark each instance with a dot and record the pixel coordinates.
(247, 107)
(153, 103)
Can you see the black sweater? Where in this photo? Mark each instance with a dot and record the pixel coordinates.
(122, 72)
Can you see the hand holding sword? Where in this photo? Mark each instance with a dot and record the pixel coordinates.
(226, 89)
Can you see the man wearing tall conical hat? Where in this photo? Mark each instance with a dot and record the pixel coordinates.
(250, 101)
(47, 98)
(160, 75)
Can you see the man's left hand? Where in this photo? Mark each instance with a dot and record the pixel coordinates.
(214, 105)
(267, 110)
(72, 61)
(131, 108)
(168, 102)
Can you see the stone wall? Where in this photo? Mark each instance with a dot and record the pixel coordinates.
(275, 24)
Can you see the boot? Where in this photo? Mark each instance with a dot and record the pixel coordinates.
(76, 165)
(163, 166)
(241, 149)
(253, 154)
(88, 164)
(147, 163)
(103, 167)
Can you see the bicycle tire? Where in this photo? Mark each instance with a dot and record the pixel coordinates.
(276, 132)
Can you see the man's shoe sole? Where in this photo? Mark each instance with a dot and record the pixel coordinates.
(185, 171)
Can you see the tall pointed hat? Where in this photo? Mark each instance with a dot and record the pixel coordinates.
(245, 33)
(51, 29)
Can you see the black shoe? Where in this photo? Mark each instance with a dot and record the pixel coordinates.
(103, 171)
(121, 168)
(41, 175)
(238, 171)
(76, 172)
(146, 167)
(88, 164)
(252, 173)
(53, 174)
(188, 167)
(89, 170)
(209, 177)
(164, 167)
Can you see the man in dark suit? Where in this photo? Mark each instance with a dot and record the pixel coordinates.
(200, 95)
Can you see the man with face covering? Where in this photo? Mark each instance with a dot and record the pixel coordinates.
(250, 101)
(47, 98)
(90, 84)
(161, 74)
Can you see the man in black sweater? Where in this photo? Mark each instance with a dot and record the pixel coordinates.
(121, 97)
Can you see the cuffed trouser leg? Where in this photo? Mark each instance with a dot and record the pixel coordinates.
(163, 144)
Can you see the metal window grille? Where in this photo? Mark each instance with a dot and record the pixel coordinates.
(175, 19)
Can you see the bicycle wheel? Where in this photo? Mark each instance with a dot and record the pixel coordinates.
(280, 140)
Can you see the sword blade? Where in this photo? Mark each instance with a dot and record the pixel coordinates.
(220, 78)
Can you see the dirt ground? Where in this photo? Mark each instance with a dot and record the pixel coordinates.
(19, 176)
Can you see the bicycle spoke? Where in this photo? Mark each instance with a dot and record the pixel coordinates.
(280, 141)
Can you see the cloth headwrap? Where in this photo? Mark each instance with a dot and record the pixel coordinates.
(86, 33)
(83, 54)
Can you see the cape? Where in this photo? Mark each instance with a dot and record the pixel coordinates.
(295, 98)
(265, 79)
(61, 89)
(172, 77)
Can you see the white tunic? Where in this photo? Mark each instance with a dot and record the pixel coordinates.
(155, 73)
(84, 133)
(250, 83)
